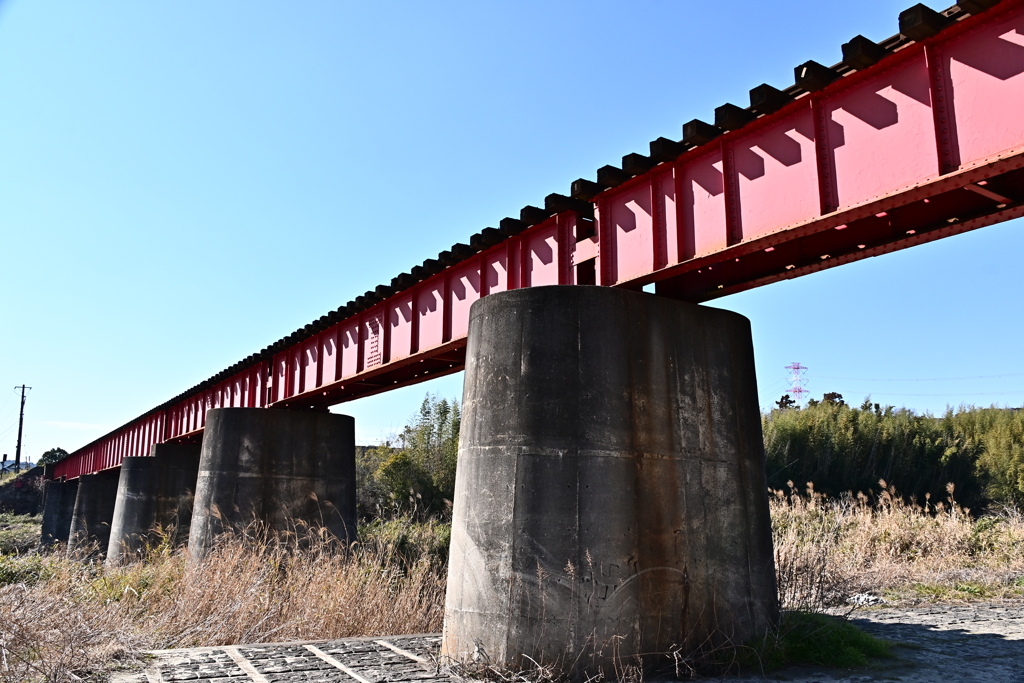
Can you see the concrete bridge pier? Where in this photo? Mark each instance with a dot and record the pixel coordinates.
(58, 509)
(611, 504)
(154, 492)
(94, 510)
(277, 467)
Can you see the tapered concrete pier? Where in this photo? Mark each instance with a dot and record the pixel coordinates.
(94, 510)
(611, 503)
(280, 467)
(153, 493)
(58, 509)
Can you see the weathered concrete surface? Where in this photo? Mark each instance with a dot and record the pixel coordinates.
(58, 509)
(154, 492)
(974, 643)
(281, 467)
(94, 510)
(611, 496)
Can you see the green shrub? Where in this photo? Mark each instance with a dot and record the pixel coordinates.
(841, 448)
(415, 474)
(27, 569)
(408, 540)
(810, 638)
(18, 533)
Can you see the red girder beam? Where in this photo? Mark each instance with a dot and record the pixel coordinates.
(902, 143)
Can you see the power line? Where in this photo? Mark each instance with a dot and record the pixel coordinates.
(5, 431)
(932, 379)
(995, 393)
(4, 404)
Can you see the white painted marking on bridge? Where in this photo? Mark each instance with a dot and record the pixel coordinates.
(404, 653)
(245, 665)
(335, 663)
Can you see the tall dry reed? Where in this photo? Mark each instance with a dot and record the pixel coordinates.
(827, 549)
(62, 618)
(73, 617)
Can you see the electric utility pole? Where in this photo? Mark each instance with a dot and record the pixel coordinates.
(21, 421)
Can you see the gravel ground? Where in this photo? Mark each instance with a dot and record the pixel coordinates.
(978, 643)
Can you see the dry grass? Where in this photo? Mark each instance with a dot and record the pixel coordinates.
(828, 550)
(72, 617)
(64, 619)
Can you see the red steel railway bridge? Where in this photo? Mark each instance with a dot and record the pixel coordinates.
(905, 141)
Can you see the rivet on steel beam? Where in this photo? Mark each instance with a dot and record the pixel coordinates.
(920, 22)
(557, 203)
(664, 149)
(532, 215)
(585, 189)
(698, 132)
(812, 76)
(611, 176)
(765, 99)
(635, 164)
(731, 117)
(976, 6)
(511, 226)
(861, 53)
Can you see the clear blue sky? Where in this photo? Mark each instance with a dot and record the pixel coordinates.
(183, 183)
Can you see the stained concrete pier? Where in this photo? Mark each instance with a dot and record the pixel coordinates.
(153, 493)
(94, 510)
(611, 503)
(58, 509)
(280, 467)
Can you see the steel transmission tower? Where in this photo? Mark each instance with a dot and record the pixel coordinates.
(797, 381)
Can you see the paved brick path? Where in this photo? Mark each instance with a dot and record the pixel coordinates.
(975, 643)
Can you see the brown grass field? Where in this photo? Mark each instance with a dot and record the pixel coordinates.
(67, 619)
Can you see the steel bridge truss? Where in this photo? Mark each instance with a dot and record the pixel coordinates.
(905, 141)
